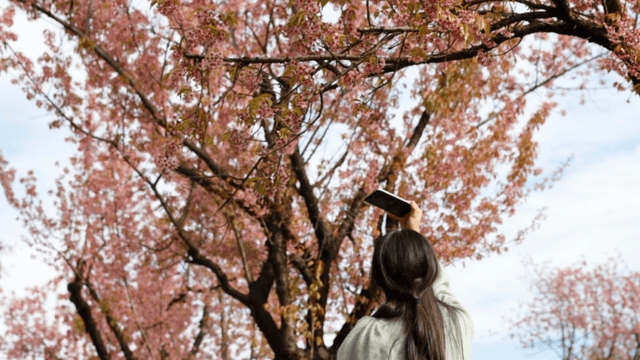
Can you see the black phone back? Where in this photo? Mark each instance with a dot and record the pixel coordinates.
(389, 203)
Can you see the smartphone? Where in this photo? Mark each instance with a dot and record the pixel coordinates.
(389, 202)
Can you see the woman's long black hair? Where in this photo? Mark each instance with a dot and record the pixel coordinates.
(404, 268)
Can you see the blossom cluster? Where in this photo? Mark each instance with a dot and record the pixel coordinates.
(212, 60)
(304, 26)
(626, 42)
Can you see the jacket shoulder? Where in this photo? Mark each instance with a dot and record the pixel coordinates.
(374, 339)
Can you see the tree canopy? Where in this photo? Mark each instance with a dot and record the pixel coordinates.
(224, 149)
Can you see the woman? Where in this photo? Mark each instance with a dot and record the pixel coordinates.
(420, 318)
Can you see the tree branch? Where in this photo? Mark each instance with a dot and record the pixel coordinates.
(199, 259)
(204, 156)
(301, 265)
(112, 323)
(636, 353)
(109, 60)
(193, 250)
(306, 191)
(203, 327)
(259, 292)
(209, 186)
(419, 129)
(133, 310)
(348, 220)
(84, 311)
(245, 265)
(333, 168)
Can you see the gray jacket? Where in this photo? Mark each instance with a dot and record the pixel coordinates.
(381, 339)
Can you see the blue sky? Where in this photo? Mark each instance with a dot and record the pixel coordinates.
(592, 212)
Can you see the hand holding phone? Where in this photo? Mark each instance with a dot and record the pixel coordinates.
(412, 219)
(408, 213)
(389, 202)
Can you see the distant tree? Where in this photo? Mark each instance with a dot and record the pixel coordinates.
(227, 146)
(582, 314)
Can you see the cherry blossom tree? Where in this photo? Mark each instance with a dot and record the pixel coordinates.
(224, 149)
(582, 314)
